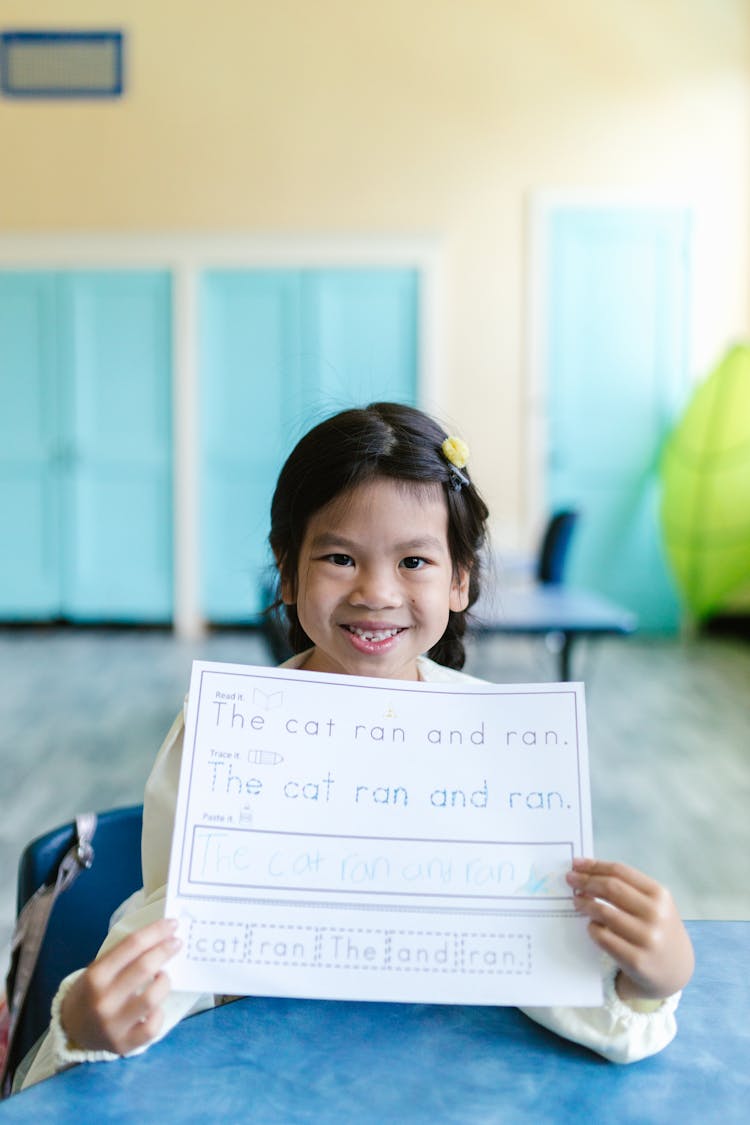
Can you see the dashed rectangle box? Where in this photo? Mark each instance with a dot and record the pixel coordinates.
(494, 953)
(354, 948)
(217, 941)
(283, 945)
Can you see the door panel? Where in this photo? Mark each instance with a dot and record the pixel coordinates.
(249, 390)
(617, 368)
(116, 344)
(30, 448)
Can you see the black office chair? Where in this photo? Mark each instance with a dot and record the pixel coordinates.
(553, 552)
(79, 919)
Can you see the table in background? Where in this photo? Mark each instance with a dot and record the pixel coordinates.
(542, 609)
(278, 1062)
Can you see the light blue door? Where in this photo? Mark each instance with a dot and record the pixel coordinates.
(617, 371)
(85, 446)
(279, 350)
(30, 448)
(115, 347)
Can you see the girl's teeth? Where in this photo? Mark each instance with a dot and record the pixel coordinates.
(373, 635)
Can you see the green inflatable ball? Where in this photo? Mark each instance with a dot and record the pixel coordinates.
(705, 507)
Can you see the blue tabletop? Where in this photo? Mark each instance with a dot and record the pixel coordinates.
(541, 609)
(286, 1061)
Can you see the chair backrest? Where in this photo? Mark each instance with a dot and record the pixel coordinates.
(553, 552)
(80, 917)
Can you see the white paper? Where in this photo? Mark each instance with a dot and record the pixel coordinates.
(349, 838)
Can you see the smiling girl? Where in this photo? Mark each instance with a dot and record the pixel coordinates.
(377, 530)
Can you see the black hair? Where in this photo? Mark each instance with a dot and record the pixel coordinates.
(351, 448)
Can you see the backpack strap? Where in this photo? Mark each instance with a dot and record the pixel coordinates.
(31, 926)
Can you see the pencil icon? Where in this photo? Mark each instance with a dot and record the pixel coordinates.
(264, 757)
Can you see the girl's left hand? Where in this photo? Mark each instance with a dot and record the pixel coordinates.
(635, 920)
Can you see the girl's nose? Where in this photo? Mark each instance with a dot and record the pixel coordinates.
(376, 589)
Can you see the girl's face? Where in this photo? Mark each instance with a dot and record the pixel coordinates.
(375, 580)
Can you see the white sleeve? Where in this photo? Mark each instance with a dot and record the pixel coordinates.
(159, 808)
(616, 1030)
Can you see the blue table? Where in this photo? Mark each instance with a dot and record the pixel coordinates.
(541, 609)
(278, 1062)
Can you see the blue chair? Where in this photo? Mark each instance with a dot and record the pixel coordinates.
(553, 552)
(80, 916)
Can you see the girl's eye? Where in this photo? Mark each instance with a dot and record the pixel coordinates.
(340, 560)
(413, 562)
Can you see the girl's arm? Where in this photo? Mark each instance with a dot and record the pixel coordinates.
(634, 920)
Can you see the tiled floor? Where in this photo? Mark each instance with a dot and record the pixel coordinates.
(82, 713)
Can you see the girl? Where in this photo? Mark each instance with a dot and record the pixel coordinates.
(377, 530)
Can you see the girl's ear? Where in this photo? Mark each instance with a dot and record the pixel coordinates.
(459, 595)
(288, 593)
(287, 583)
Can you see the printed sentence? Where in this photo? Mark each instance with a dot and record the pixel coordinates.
(228, 716)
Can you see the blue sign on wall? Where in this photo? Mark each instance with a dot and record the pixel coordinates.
(61, 64)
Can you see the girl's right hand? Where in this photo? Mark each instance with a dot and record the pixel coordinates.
(116, 1003)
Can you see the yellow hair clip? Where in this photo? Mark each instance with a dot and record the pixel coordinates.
(456, 453)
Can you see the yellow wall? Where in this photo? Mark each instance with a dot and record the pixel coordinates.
(413, 116)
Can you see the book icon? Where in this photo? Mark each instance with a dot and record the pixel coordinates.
(269, 701)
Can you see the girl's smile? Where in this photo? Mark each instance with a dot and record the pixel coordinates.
(375, 580)
(372, 638)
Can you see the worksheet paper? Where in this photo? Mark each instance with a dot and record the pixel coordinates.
(349, 838)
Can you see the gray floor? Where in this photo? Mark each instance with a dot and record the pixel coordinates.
(82, 713)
